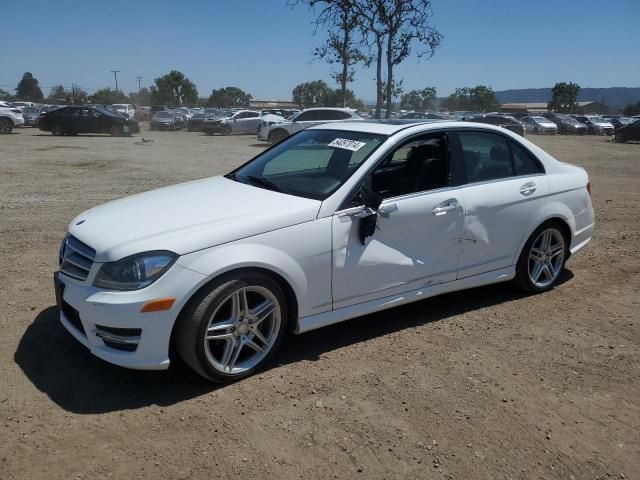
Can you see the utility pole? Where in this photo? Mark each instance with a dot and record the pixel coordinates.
(115, 75)
(139, 83)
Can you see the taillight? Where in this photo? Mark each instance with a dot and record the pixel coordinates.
(589, 188)
(16, 110)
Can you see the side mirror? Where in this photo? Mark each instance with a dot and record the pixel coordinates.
(369, 221)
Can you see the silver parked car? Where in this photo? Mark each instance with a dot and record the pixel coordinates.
(242, 121)
(538, 124)
(310, 117)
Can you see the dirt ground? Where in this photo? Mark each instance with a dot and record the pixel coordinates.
(483, 384)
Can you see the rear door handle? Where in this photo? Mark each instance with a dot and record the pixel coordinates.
(528, 188)
(444, 207)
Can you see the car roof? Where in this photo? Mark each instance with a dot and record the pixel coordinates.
(390, 127)
(339, 109)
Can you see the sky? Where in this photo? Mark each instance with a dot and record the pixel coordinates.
(264, 46)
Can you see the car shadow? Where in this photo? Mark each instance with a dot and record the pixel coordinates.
(260, 145)
(78, 382)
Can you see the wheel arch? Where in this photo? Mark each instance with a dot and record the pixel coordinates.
(198, 293)
(277, 129)
(565, 222)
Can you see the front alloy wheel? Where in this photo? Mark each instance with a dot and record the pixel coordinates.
(542, 259)
(234, 327)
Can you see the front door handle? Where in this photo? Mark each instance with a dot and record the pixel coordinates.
(528, 188)
(444, 207)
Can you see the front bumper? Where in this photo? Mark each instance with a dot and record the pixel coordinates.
(104, 321)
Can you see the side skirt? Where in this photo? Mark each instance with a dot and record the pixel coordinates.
(320, 320)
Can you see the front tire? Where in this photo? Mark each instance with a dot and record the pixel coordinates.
(542, 259)
(619, 138)
(116, 131)
(277, 136)
(234, 327)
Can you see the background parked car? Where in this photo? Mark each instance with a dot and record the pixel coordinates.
(85, 119)
(628, 132)
(619, 122)
(31, 116)
(305, 119)
(124, 109)
(167, 120)
(596, 124)
(242, 121)
(197, 120)
(504, 121)
(538, 124)
(9, 117)
(426, 116)
(566, 124)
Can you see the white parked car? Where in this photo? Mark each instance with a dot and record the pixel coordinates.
(124, 109)
(307, 118)
(538, 124)
(10, 117)
(334, 222)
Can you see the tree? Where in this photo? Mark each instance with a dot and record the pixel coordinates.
(141, 97)
(174, 89)
(419, 99)
(477, 99)
(108, 96)
(395, 27)
(28, 89)
(57, 95)
(342, 46)
(564, 97)
(335, 98)
(632, 109)
(4, 95)
(229, 97)
(77, 95)
(311, 94)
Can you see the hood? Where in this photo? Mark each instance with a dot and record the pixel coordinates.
(187, 217)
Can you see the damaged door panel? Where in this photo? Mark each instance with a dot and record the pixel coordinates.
(415, 243)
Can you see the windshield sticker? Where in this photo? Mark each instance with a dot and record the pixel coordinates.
(347, 144)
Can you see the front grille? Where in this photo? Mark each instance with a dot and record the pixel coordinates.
(76, 258)
(72, 316)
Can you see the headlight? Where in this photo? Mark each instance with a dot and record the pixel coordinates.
(134, 272)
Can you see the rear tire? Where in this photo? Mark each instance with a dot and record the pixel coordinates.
(619, 138)
(57, 130)
(227, 130)
(6, 125)
(116, 131)
(543, 258)
(277, 136)
(234, 327)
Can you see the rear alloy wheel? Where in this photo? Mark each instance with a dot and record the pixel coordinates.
(542, 259)
(233, 328)
(6, 125)
(116, 131)
(57, 130)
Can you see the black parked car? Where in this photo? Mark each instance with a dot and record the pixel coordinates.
(197, 119)
(504, 121)
(167, 121)
(567, 124)
(628, 132)
(85, 119)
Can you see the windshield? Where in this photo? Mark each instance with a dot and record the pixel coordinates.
(597, 120)
(311, 164)
(164, 115)
(567, 119)
(541, 119)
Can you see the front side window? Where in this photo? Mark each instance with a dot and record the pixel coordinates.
(420, 165)
(306, 116)
(311, 164)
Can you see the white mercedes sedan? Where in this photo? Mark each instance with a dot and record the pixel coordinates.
(334, 222)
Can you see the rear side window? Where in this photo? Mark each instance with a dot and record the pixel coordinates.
(332, 115)
(306, 116)
(524, 162)
(488, 156)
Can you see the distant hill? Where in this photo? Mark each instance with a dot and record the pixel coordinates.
(612, 96)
